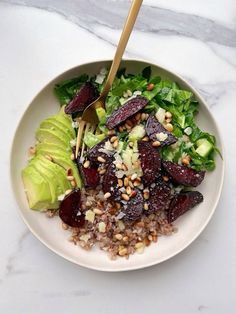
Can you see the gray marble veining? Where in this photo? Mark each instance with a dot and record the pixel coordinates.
(92, 13)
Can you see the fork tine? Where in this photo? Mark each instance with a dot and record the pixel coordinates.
(93, 128)
(79, 137)
(85, 133)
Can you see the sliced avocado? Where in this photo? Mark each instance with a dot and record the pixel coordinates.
(91, 139)
(46, 146)
(54, 124)
(62, 160)
(137, 133)
(59, 173)
(52, 136)
(65, 115)
(203, 147)
(50, 177)
(36, 188)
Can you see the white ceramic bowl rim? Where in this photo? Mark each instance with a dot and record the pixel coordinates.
(140, 265)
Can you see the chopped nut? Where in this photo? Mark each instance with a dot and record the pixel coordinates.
(124, 167)
(150, 87)
(107, 195)
(168, 120)
(168, 115)
(169, 127)
(73, 183)
(111, 132)
(86, 164)
(115, 144)
(129, 92)
(138, 116)
(68, 192)
(128, 190)
(145, 139)
(140, 224)
(125, 238)
(101, 171)
(156, 144)
(146, 194)
(165, 178)
(65, 226)
(143, 116)
(119, 166)
(133, 193)
(185, 161)
(134, 176)
(123, 252)
(70, 178)
(126, 181)
(125, 197)
(145, 206)
(131, 184)
(120, 183)
(129, 123)
(72, 156)
(121, 128)
(118, 206)
(113, 139)
(101, 159)
(97, 211)
(128, 127)
(118, 236)
(150, 237)
(137, 182)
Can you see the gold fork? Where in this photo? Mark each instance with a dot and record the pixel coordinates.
(89, 117)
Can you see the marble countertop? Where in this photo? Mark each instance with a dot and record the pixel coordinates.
(40, 39)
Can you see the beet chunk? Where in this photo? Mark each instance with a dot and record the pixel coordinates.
(90, 176)
(183, 202)
(69, 210)
(154, 128)
(110, 182)
(182, 174)
(150, 162)
(160, 197)
(134, 208)
(93, 153)
(86, 95)
(131, 107)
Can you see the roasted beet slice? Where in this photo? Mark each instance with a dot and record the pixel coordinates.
(134, 208)
(150, 162)
(69, 210)
(157, 132)
(86, 95)
(182, 174)
(95, 152)
(90, 176)
(110, 182)
(126, 111)
(183, 202)
(160, 197)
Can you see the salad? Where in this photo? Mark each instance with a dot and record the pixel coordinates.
(136, 171)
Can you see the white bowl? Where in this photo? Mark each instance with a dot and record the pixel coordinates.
(49, 231)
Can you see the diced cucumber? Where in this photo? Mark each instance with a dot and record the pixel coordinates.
(137, 133)
(204, 147)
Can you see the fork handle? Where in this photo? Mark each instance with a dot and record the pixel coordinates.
(127, 29)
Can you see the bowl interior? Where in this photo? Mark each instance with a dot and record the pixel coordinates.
(49, 231)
